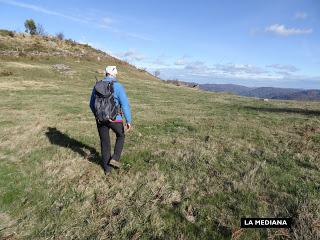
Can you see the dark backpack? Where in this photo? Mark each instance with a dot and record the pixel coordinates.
(104, 104)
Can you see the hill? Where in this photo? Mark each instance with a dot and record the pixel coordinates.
(231, 88)
(194, 164)
(305, 95)
(265, 92)
(270, 92)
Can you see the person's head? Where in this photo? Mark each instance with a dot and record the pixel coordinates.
(111, 71)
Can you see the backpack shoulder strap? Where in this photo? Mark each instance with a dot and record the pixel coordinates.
(112, 87)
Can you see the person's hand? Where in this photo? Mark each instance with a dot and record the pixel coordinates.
(128, 126)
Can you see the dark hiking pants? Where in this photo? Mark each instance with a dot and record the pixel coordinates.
(103, 129)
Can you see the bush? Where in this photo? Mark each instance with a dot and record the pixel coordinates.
(30, 26)
(142, 69)
(6, 33)
(157, 73)
(40, 30)
(60, 36)
(71, 42)
(5, 73)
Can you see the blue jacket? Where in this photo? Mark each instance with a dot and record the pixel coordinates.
(120, 97)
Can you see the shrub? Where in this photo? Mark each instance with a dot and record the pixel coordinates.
(5, 73)
(142, 69)
(6, 33)
(157, 73)
(71, 42)
(40, 30)
(22, 54)
(60, 36)
(30, 26)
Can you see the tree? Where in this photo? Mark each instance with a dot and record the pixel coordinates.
(60, 35)
(30, 26)
(40, 30)
(157, 73)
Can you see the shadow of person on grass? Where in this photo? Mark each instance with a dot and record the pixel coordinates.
(61, 139)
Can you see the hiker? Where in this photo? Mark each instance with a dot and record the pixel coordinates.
(109, 103)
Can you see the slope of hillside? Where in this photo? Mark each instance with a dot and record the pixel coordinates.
(195, 163)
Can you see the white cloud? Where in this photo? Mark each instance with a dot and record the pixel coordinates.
(155, 63)
(182, 61)
(131, 55)
(160, 61)
(284, 31)
(300, 15)
(199, 69)
(279, 75)
(231, 68)
(196, 66)
(283, 67)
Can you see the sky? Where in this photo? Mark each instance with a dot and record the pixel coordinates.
(249, 42)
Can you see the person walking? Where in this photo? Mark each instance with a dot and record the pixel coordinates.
(109, 103)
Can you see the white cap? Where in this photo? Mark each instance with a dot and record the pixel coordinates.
(112, 70)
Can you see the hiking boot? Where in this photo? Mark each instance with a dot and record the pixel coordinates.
(115, 163)
(107, 171)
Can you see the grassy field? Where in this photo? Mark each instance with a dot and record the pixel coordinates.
(194, 164)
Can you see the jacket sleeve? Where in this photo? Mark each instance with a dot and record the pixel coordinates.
(124, 103)
(92, 99)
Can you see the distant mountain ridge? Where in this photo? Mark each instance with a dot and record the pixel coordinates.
(232, 88)
(258, 92)
(264, 92)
